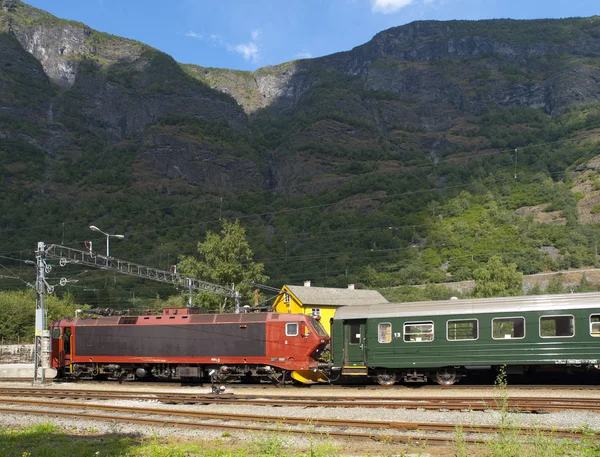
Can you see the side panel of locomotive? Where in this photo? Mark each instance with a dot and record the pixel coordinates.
(170, 341)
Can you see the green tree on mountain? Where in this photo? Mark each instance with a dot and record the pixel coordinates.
(224, 258)
(497, 279)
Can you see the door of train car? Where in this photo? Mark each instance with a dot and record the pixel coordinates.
(355, 340)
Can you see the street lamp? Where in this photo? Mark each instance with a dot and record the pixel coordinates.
(108, 235)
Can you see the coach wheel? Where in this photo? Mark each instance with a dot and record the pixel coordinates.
(386, 379)
(446, 377)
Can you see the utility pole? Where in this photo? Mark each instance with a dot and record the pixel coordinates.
(42, 343)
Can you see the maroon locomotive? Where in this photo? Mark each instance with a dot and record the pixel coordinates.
(180, 344)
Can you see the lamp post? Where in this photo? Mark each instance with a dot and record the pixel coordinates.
(108, 236)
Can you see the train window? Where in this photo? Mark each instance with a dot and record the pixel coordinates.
(416, 332)
(56, 333)
(595, 325)
(384, 332)
(354, 334)
(508, 328)
(462, 329)
(291, 329)
(557, 326)
(318, 327)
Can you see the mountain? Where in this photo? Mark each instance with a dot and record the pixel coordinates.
(410, 159)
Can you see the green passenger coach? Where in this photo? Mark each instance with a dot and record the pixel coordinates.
(445, 340)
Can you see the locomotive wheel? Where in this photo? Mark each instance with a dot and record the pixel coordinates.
(386, 379)
(446, 377)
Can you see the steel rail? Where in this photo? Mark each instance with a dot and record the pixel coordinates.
(365, 387)
(443, 403)
(186, 424)
(208, 396)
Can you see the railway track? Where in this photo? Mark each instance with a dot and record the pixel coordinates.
(537, 404)
(388, 431)
(333, 387)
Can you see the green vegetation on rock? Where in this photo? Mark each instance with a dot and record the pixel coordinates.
(364, 167)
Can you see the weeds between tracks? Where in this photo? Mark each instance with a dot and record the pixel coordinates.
(509, 442)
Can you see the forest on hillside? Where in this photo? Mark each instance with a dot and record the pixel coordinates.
(416, 172)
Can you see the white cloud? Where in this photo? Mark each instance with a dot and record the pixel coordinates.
(251, 50)
(303, 55)
(388, 6)
(248, 50)
(198, 36)
(213, 40)
(256, 33)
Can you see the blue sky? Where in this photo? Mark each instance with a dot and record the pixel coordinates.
(248, 34)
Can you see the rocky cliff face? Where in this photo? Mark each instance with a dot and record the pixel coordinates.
(70, 82)
(65, 79)
(421, 61)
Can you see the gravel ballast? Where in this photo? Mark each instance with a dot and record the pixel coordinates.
(562, 419)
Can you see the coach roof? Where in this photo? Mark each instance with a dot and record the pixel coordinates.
(539, 303)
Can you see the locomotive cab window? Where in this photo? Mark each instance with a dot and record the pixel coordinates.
(384, 332)
(291, 329)
(418, 332)
(595, 325)
(318, 327)
(462, 330)
(56, 333)
(506, 328)
(557, 326)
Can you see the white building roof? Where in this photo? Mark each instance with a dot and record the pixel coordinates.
(331, 296)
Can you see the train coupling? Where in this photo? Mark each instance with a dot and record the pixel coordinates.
(323, 366)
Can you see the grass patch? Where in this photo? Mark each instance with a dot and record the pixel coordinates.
(48, 440)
